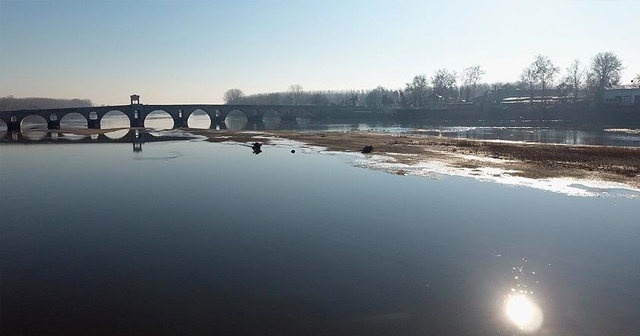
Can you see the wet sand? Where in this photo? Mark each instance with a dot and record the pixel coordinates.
(536, 161)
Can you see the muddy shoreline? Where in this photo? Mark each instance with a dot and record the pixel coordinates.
(530, 160)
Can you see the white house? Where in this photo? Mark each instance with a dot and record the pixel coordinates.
(622, 95)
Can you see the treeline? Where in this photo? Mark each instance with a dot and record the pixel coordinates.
(297, 96)
(10, 103)
(540, 81)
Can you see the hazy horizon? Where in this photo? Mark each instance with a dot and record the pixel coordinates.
(193, 51)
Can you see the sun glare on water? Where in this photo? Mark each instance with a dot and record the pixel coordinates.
(524, 313)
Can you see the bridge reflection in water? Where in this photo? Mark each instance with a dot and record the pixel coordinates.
(136, 137)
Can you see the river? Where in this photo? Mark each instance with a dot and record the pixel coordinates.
(549, 131)
(189, 237)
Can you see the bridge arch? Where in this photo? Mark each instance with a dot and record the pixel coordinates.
(159, 119)
(73, 120)
(114, 119)
(271, 119)
(236, 120)
(3, 126)
(32, 122)
(199, 118)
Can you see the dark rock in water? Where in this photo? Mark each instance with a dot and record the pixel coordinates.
(293, 151)
(367, 149)
(256, 148)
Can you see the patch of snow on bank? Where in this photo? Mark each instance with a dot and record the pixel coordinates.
(623, 130)
(436, 169)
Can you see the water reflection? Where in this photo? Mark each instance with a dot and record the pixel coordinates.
(35, 135)
(523, 312)
(117, 134)
(73, 137)
(257, 148)
(137, 137)
(59, 135)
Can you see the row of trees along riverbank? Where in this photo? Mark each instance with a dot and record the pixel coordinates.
(10, 103)
(541, 82)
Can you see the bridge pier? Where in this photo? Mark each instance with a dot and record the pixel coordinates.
(136, 118)
(217, 119)
(13, 126)
(53, 124)
(179, 122)
(138, 140)
(218, 125)
(255, 123)
(93, 124)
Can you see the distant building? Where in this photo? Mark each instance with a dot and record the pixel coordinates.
(622, 95)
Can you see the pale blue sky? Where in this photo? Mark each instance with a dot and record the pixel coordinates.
(193, 51)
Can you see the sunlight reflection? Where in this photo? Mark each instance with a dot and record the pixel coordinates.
(520, 308)
(523, 312)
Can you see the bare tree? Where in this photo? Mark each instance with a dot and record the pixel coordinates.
(354, 100)
(470, 78)
(233, 96)
(529, 79)
(444, 84)
(374, 98)
(295, 93)
(320, 99)
(575, 77)
(605, 71)
(416, 92)
(545, 72)
(636, 80)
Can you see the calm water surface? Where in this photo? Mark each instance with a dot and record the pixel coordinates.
(194, 238)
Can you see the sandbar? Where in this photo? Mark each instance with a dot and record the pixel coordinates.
(529, 160)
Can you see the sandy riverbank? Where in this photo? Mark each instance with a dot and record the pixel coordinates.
(526, 160)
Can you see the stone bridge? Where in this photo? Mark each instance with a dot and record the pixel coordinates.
(137, 113)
